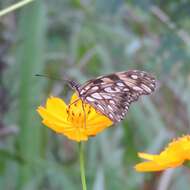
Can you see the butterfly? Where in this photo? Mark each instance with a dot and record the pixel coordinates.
(112, 94)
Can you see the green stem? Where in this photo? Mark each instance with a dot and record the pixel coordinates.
(82, 169)
(14, 7)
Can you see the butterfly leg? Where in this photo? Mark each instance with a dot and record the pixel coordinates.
(70, 106)
(74, 102)
(84, 115)
(82, 109)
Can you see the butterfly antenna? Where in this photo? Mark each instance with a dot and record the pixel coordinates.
(52, 78)
(73, 84)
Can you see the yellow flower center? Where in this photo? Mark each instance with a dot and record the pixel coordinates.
(78, 113)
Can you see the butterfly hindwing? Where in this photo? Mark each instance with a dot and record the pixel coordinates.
(112, 94)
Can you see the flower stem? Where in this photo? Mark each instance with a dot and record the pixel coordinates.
(82, 169)
(14, 7)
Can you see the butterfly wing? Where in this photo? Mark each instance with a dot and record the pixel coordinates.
(112, 94)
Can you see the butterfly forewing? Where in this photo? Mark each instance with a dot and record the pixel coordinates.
(112, 94)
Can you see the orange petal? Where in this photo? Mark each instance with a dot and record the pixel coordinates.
(56, 106)
(77, 135)
(146, 156)
(148, 167)
(95, 129)
(155, 166)
(68, 131)
(47, 115)
(59, 128)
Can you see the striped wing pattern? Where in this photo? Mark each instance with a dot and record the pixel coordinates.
(112, 94)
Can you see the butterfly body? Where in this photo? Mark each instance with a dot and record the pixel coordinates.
(112, 94)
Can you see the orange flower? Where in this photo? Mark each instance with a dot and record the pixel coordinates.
(74, 121)
(173, 156)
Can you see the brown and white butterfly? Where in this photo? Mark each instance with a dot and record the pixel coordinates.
(112, 94)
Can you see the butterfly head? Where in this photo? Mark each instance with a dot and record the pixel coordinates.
(74, 85)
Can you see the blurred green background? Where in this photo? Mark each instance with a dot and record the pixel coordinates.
(83, 39)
